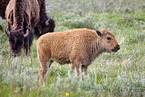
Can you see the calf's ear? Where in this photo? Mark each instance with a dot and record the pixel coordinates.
(99, 33)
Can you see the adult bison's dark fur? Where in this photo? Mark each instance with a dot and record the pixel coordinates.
(45, 24)
(21, 17)
(18, 39)
(3, 5)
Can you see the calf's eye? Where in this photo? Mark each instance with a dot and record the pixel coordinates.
(108, 38)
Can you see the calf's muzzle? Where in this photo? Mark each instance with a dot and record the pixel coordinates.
(116, 48)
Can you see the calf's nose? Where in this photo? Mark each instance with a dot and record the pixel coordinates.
(118, 47)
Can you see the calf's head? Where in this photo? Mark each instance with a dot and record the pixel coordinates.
(108, 41)
(16, 40)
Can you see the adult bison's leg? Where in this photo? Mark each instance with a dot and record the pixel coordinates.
(31, 36)
(26, 46)
(28, 41)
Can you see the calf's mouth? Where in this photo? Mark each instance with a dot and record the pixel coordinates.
(116, 48)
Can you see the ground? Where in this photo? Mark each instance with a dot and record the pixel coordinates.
(111, 74)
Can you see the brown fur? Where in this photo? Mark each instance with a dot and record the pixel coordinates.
(79, 47)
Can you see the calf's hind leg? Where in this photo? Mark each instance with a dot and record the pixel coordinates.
(45, 63)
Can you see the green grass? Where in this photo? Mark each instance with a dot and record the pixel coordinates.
(115, 74)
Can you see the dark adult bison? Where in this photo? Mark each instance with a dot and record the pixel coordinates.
(45, 24)
(21, 17)
(3, 5)
(79, 47)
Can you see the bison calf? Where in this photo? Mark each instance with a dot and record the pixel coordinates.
(79, 47)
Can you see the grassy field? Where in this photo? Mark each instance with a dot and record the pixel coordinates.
(110, 75)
